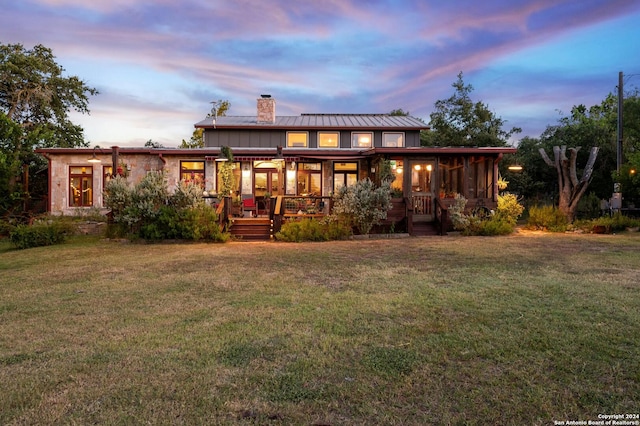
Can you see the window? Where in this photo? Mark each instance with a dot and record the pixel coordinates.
(107, 175)
(297, 139)
(397, 168)
(344, 174)
(309, 179)
(361, 140)
(236, 180)
(393, 140)
(80, 186)
(192, 171)
(451, 182)
(328, 140)
(421, 176)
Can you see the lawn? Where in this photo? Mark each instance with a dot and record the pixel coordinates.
(526, 329)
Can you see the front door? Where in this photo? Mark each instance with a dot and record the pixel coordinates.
(422, 173)
(266, 180)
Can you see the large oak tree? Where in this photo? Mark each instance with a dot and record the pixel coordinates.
(459, 121)
(35, 101)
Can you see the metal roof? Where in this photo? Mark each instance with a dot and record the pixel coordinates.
(319, 121)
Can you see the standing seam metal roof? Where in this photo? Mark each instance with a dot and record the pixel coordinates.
(329, 121)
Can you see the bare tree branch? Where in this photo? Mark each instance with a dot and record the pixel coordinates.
(588, 169)
(545, 157)
(572, 165)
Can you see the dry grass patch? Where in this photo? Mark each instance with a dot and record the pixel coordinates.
(523, 329)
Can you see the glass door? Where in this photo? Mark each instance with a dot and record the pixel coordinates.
(266, 181)
(422, 190)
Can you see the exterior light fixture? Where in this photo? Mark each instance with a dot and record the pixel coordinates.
(279, 158)
(515, 168)
(93, 158)
(225, 154)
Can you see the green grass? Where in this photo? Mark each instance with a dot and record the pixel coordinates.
(524, 329)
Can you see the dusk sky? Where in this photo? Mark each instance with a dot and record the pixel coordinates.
(159, 63)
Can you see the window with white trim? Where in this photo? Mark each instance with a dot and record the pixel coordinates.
(393, 140)
(361, 140)
(328, 140)
(297, 139)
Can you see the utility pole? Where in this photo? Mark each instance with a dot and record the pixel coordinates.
(616, 199)
(620, 112)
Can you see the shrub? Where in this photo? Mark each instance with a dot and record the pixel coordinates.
(186, 195)
(495, 226)
(312, 230)
(39, 234)
(547, 218)
(616, 223)
(148, 211)
(117, 197)
(459, 219)
(195, 223)
(6, 228)
(589, 206)
(500, 222)
(509, 209)
(363, 204)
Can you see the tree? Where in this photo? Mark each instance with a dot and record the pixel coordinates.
(220, 108)
(570, 189)
(153, 144)
(399, 112)
(35, 101)
(196, 141)
(458, 121)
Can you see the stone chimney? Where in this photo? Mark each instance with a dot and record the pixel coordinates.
(266, 109)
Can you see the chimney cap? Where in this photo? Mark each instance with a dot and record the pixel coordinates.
(265, 96)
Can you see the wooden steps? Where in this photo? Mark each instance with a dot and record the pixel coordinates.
(424, 228)
(251, 229)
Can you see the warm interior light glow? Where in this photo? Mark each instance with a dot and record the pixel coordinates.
(417, 167)
(429, 167)
(399, 170)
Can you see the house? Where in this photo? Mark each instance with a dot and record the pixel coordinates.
(304, 159)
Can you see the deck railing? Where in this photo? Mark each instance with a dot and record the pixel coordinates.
(291, 207)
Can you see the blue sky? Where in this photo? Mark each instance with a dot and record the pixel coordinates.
(158, 63)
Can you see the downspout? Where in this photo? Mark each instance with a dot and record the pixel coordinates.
(114, 159)
(48, 157)
(495, 176)
(164, 162)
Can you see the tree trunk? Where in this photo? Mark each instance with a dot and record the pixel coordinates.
(570, 188)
